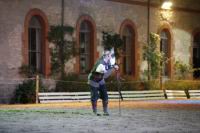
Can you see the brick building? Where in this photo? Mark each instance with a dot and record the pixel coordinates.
(24, 26)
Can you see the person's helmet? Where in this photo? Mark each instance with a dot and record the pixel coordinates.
(100, 68)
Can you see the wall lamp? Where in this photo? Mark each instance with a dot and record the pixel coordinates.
(167, 4)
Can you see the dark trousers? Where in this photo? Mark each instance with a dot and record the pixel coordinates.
(100, 92)
(96, 93)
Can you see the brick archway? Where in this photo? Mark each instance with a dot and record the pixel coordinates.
(194, 49)
(166, 27)
(93, 49)
(135, 48)
(45, 47)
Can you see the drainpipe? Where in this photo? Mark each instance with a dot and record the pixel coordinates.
(62, 41)
(62, 12)
(148, 32)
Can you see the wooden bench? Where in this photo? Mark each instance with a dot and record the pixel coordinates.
(143, 95)
(176, 94)
(53, 97)
(194, 94)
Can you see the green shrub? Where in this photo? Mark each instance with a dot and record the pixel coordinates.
(64, 48)
(25, 92)
(126, 85)
(151, 85)
(154, 56)
(182, 85)
(72, 83)
(182, 70)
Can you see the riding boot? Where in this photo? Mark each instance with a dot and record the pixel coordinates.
(105, 108)
(94, 107)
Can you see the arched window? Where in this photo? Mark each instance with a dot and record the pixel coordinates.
(129, 58)
(85, 47)
(128, 55)
(86, 42)
(35, 47)
(164, 47)
(196, 54)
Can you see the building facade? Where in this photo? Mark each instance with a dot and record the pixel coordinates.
(24, 26)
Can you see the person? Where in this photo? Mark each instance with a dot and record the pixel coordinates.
(96, 79)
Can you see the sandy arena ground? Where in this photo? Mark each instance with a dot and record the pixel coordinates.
(165, 116)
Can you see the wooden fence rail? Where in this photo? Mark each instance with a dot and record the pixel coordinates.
(50, 97)
(194, 94)
(176, 94)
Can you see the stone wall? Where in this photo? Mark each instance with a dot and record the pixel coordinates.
(107, 15)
